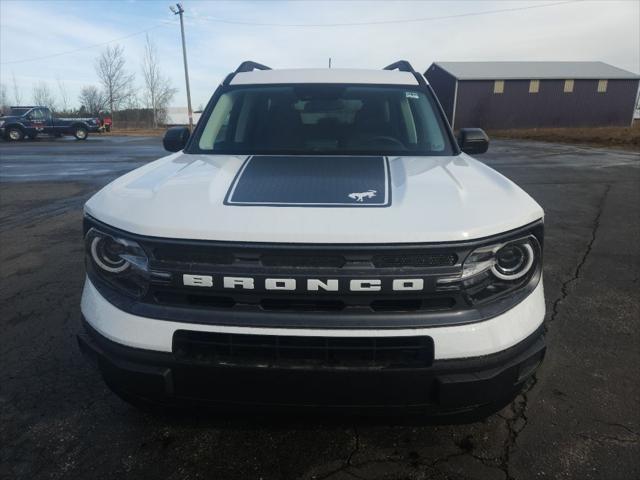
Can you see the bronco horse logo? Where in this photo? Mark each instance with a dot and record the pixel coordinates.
(359, 197)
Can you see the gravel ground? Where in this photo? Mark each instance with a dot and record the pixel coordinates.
(579, 419)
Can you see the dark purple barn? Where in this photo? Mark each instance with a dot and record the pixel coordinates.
(502, 95)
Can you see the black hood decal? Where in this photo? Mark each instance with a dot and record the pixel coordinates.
(312, 181)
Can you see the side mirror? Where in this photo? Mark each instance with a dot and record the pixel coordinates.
(176, 138)
(473, 141)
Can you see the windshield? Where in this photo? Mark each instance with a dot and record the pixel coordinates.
(324, 119)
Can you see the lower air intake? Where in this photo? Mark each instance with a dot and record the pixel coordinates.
(302, 352)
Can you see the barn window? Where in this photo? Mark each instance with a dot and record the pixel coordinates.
(602, 86)
(498, 86)
(534, 86)
(568, 86)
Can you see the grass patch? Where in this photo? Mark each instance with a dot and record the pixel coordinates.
(627, 138)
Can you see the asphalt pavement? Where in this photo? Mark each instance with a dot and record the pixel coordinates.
(579, 419)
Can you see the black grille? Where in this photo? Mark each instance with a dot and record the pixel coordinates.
(299, 258)
(296, 351)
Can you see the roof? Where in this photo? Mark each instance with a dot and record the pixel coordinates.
(535, 70)
(325, 75)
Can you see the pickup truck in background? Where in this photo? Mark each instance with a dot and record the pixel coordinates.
(32, 121)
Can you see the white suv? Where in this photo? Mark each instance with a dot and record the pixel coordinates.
(321, 239)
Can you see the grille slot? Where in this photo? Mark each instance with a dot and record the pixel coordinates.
(295, 351)
(211, 301)
(409, 305)
(415, 260)
(319, 261)
(192, 254)
(302, 305)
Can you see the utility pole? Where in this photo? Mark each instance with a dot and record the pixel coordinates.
(178, 10)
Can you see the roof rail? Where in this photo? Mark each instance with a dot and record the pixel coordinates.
(405, 66)
(249, 66)
(246, 66)
(402, 65)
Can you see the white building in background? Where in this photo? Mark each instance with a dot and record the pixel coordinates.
(180, 116)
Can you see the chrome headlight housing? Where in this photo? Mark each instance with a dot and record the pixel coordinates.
(120, 262)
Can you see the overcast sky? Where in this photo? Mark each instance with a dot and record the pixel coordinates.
(222, 34)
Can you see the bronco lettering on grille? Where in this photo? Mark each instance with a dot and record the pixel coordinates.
(309, 284)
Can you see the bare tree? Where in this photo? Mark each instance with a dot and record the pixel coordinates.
(64, 95)
(42, 96)
(158, 91)
(116, 82)
(17, 95)
(133, 102)
(92, 99)
(4, 99)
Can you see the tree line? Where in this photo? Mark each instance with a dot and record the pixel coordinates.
(116, 90)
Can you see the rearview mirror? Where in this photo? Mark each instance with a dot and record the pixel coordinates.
(473, 141)
(176, 138)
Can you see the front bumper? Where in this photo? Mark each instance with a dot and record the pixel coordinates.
(473, 386)
(476, 368)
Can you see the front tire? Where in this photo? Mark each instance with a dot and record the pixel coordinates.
(14, 134)
(81, 133)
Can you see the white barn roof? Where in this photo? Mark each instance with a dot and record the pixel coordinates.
(534, 70)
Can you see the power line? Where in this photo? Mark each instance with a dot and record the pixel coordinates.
(380, 22)
(296, 25)
(44, 57)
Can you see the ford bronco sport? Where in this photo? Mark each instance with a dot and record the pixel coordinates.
(321, 240)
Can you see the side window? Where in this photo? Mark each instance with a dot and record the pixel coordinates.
(430, 135)
(216, 121)
(568, 86)
(534, 86)
(498, 86)
(602, 86)
(36, 115)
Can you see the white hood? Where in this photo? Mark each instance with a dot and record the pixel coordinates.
(435, 199)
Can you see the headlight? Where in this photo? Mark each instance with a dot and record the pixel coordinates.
(1, 123)
(513, 261)
(120, 262)
(497, 269)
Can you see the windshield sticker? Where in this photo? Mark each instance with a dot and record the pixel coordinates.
(411, 95)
